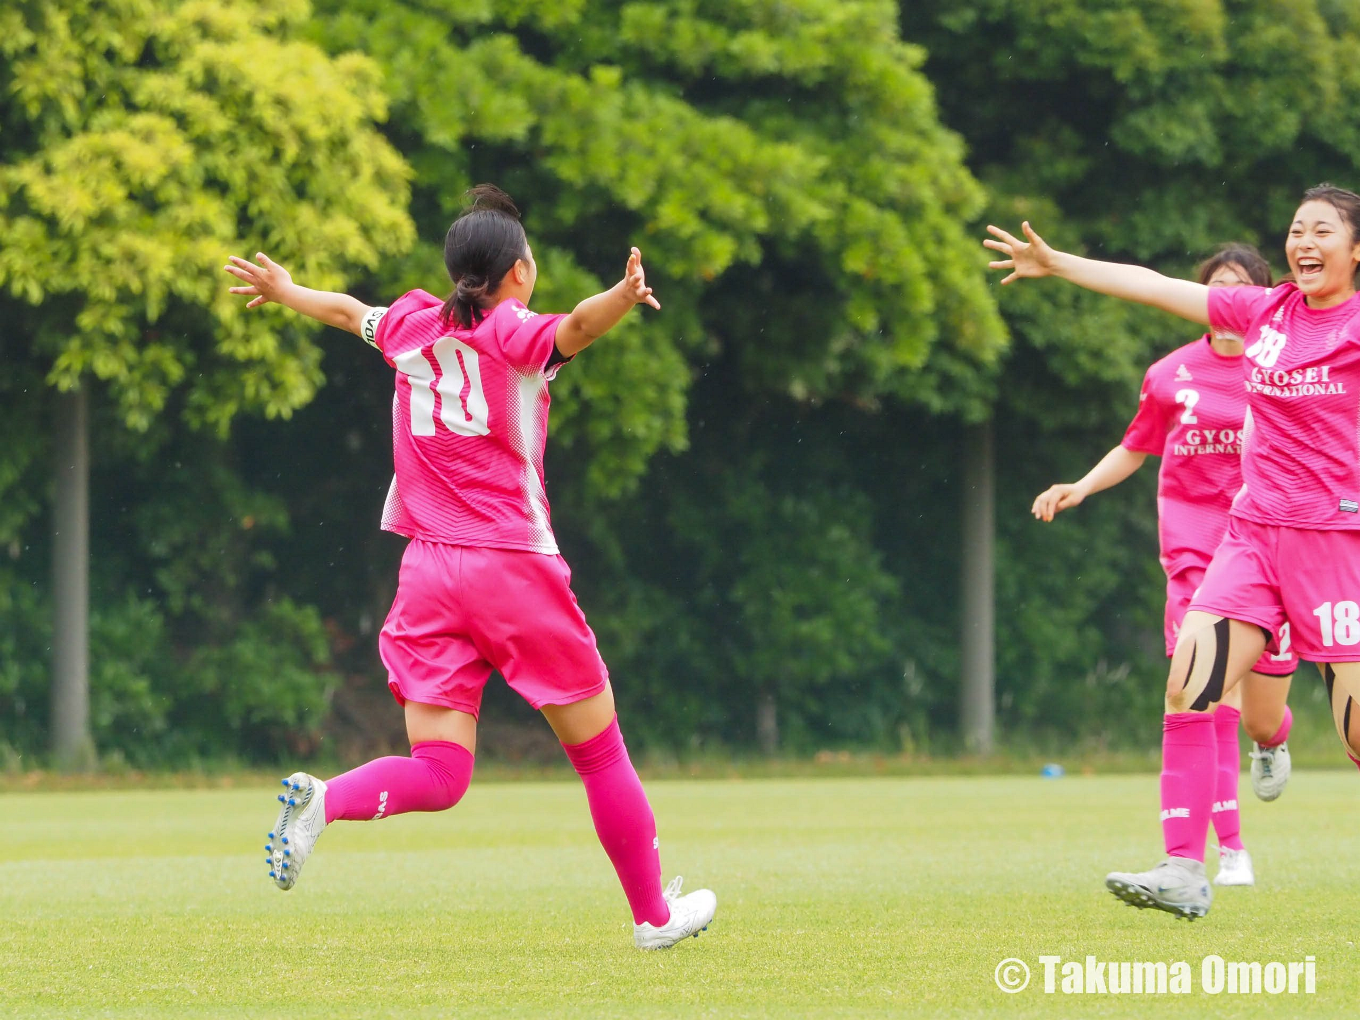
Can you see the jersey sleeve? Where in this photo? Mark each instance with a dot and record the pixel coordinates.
(1232, 309)
(380, 325)
(1147, 432)
(527, 338)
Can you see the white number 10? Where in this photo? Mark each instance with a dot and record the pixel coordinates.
(463, 405)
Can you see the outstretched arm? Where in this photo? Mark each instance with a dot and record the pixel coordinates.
(596, 316)
(1034, 258)
(1113, 468)
(269, 281)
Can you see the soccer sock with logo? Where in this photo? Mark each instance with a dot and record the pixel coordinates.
(434, 778)
(623, 820)
(1227, 819)
(1189, 755)
(1282, 734)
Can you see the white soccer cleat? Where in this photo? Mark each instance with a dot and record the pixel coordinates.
(1176, 885)
(299, 825)
(690, 914)
(1270, 768)
(1234, 868)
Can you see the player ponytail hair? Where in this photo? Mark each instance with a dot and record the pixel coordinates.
(1244, 256)
(483, 245)
(1347, 203)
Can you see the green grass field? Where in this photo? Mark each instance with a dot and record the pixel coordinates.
(837, 898)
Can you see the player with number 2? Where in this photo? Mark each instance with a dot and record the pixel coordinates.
(1190, 413)
(482, 585)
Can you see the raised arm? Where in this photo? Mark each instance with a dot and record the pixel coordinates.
(269, 281)
(1113, 468)
(1034, 258)
(596, 316)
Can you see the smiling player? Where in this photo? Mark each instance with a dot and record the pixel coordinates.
(1292, 551)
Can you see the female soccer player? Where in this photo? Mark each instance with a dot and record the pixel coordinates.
(482, 585)
(1292, 551)
(1190, 413)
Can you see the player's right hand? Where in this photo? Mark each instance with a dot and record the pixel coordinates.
(1024, 258)
(1055, 499)
(265, 282)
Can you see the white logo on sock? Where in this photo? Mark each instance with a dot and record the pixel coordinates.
(1176, 812)
(656, 842)
(382, 806)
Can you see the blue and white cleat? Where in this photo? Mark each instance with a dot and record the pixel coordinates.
(1177, 885)
(690, 914)
(1270, 768)
(299, 825)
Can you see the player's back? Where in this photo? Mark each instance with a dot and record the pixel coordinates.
(469, 423)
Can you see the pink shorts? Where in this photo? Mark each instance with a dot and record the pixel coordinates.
(462, 611)
(1277, 660)
(1300, 584)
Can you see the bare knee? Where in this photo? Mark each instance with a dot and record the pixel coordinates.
(1260, 731)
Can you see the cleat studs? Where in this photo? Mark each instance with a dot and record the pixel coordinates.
(269, 860)
(271, 835)
(281, 797)
(288, 853)
(273, 875)
(285, 840)
(285, 865)
(292, 802)
(285, 782)
(269, 848)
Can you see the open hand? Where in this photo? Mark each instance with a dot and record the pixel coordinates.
(1055, 499)
(635, 282)
(265, 282)
(1032, 258)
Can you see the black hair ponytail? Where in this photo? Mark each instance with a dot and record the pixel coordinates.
(482, 245)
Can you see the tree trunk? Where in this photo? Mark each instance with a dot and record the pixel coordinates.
(767, 723)
(72, 747)
(978, 690)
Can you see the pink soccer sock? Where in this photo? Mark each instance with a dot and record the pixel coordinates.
(1282, 734)
(434, 778)
(1189, 756)
(1227, 819)
(623, 820)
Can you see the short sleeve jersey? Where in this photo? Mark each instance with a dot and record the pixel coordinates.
(1190, 414)
(1301, 442)
(469, 423)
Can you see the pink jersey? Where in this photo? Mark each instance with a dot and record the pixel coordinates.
(1301, 442)
(1190, 414)
(469, 423)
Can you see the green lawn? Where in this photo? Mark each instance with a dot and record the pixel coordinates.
(837, 897)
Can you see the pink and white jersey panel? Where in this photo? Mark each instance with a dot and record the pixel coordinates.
(1190, 414)
(469, 423)
(1301, 443)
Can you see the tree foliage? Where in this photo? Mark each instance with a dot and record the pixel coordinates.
(140, 142)
(758, 488)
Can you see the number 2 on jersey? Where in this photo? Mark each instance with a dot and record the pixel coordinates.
(463, 407)
(1189, 398)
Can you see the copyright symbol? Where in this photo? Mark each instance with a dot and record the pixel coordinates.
(1012, 975)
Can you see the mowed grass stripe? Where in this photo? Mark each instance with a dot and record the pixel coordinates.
(852, 897)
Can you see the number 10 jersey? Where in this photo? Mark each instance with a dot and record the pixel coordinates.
(469, 423)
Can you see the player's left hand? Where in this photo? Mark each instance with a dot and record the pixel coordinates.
(635, 282)
(265, 281)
